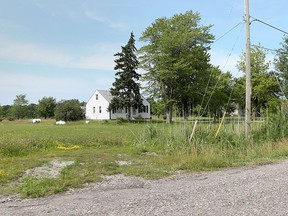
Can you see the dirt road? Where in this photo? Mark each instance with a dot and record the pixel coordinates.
(256, 190)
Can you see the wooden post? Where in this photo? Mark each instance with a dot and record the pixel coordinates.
(193, 131)
(248, 75)
(220, 125)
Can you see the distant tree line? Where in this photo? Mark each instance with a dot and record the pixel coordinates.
(47, 107)
(179, 77)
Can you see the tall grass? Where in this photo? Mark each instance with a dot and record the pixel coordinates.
(268, 134)
(153, 149)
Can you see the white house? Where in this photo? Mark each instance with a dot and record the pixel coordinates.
(97, 108)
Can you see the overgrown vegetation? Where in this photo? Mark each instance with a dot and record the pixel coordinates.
(151, 150)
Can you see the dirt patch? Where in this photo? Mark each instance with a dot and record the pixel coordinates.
(50, 170)
(116, 182)
(123, 163)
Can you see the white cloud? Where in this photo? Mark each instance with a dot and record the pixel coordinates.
(37, 86)
(35, 83)
(34, 86)
(30, 53)
(104, 20)
(100, 59)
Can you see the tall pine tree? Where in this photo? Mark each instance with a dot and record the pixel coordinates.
(126, 89)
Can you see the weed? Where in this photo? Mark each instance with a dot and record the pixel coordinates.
(155, 149)
(34, 187)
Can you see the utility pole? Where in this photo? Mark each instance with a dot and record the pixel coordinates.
(248, 75)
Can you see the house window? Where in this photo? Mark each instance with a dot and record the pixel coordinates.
(100, 110)
(94, 109)
(126, 109)
(96, 96)
(143, 109)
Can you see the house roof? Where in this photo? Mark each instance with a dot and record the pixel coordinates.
(106, 94)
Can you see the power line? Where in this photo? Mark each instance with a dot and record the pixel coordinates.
(280, 86)
(219, 77)
(278, 29)
(228, 32)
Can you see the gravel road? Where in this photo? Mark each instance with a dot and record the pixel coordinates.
(253, 190)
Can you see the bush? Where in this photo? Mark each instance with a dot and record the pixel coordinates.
(69, 110)
(11, 118)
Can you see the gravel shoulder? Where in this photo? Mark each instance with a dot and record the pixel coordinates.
(252, 190)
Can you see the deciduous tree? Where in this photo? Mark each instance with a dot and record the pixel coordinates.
(46, 107)
(219, 92)
(264, 85)
(19, 108)
(281, 65)
(176, 57)
(69, 110)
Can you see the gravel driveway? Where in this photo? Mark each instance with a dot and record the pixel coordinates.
(253, 190)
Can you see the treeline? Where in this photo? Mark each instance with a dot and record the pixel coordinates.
(47, 107)
(181, 79)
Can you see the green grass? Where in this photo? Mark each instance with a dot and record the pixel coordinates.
(153, 150)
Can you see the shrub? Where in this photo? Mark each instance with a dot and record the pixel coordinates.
(11, 118)
(69, 110)
(121, 120)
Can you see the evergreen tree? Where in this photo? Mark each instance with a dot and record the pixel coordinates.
(126, 90)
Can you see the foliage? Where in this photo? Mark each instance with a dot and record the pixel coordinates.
(157, 107)
(19, 109)
(46, 107)
(126, 90)
(218, 94)
(1, 112)
(68, 110)
(32, 110)
(264, 85)
(6, 111)
(176, 58)
(276, 127)
(281, 66)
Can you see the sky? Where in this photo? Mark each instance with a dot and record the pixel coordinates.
(65, 48)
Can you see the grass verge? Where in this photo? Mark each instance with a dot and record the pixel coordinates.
(149, 150)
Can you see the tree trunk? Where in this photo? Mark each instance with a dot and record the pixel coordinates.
(129, 113)
(169, 114)
(185, 113)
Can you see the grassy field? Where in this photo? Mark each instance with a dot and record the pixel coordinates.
(147, 149)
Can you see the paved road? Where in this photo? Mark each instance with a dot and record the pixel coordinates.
(258, 190)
